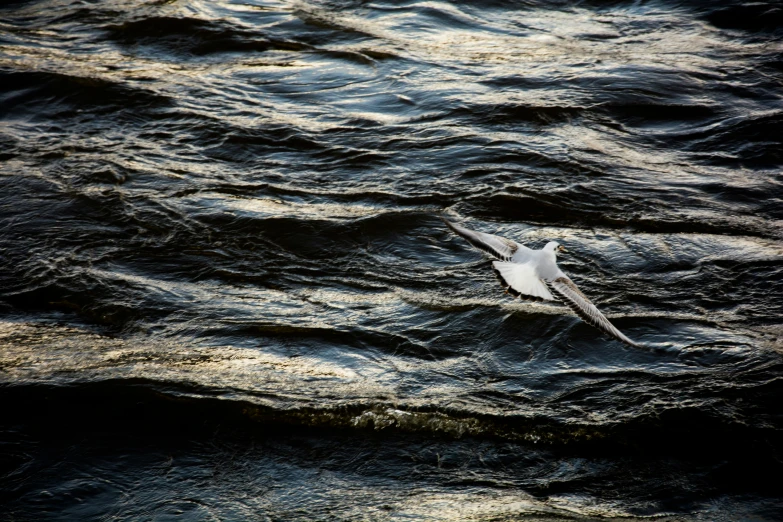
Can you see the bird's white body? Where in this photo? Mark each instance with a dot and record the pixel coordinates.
(544, 260)
(529, 273)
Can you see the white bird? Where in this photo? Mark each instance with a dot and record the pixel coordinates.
(528, 273)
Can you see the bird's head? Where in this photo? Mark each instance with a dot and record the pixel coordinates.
(554, 247)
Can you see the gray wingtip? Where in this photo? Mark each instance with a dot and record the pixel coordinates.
(448, 223)
(457, 229)
(634, 343)
(582, 310)
(621, 337)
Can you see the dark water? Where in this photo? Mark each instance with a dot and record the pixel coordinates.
(226, 293)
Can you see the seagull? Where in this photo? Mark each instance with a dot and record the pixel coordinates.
(534, 274)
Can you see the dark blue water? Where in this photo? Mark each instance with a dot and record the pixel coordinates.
(227, 294)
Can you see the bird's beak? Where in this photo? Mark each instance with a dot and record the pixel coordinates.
(561, 249)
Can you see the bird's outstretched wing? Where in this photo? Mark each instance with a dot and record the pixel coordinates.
(521, 280)
(565, 289)
(499, 247)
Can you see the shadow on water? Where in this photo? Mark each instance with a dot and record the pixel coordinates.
(154, 448)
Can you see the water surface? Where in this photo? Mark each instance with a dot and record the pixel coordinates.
(227, 293)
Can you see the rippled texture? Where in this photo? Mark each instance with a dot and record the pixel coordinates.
(227, 293)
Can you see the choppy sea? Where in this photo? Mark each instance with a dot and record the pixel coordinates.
(226, 292)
